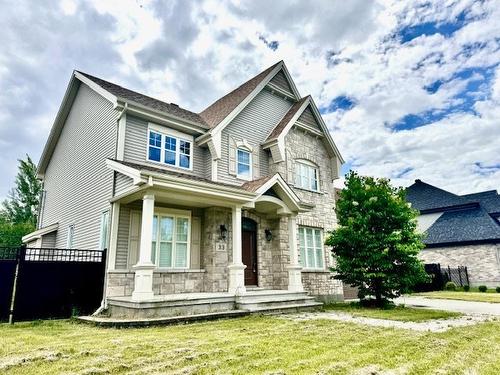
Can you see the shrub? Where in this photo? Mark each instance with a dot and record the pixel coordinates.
(482, 288)
(497, 289)
(466, 288)
(450, 285)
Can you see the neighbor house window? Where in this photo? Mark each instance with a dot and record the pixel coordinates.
(70, 237)
(104, 237)
(306, 176)
(170, 246)
(311, 247)
(170, 149)
(244, 169)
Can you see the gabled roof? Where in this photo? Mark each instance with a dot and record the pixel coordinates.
(286, 119)
(464, 219)
(217, 111)
(423, 196)
(147, 101)
(469, 225)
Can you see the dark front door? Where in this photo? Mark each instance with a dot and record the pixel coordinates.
(249, 250)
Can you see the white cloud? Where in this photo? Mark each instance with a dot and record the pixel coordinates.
(192, 52)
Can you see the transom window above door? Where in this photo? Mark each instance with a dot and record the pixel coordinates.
(306, 175)
(170, 149)
(244, 164)
(171, 238)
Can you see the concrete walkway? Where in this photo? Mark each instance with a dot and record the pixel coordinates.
(465, 307)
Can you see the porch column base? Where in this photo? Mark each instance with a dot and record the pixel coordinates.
(237, 279)
(143, 282)
(295, 278)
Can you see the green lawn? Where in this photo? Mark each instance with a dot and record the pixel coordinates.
(250, 345)
(463, 296)
(404, 314)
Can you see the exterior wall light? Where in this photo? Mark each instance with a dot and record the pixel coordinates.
(269, 235)
(223, 231)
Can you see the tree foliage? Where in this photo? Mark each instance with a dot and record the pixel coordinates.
(376, 244)
(18, 215)
(22, 204)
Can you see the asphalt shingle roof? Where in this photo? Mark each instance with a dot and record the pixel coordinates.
(427, 197)
(464, 219)
(218, 111)
(286, 119)
(147, 101)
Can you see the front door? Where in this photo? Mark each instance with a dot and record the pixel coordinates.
(249, 250)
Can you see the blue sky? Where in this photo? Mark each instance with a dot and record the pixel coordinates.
(408, 89)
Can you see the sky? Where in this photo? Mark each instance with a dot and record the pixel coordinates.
(409, 89)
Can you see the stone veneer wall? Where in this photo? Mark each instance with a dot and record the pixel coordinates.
(121, 283)
(303, 145)
(482, 261)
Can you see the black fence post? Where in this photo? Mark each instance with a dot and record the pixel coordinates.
(21, 254)
(467, 275)
(460, 275)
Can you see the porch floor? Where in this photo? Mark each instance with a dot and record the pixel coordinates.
(173, 308)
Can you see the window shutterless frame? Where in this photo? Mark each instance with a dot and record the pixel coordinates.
(169, 147)
(311, 248)
(171, 246)
(306, 175)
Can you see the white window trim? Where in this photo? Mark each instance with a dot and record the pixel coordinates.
(70, 236)
(104, 242)
(304, 261)
(174, 134)
(316, 172)
(185, 214)
(250, 161)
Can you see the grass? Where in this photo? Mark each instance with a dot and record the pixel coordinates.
(463, 296)
(250, 345)
(403, 314)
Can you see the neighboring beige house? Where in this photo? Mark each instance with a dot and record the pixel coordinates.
(460, 230)
(223, 209)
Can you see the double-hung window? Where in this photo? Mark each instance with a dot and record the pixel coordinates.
(171, 235)
(311, 248)
(306, 176)
(170, 148)
(244, 164)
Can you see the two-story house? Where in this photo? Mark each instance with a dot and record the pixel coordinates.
(233, 202)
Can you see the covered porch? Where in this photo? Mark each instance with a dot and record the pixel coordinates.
(174, 239)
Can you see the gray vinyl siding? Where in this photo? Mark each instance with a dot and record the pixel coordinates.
(122, 183)
(253, 123)
(77, 182)
(122, 239)
(281, 81)
(49, 240)
(308, 118)
(135, 150)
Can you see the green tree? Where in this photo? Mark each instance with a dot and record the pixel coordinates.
(21, 206)
(18, 215)
(376, 244)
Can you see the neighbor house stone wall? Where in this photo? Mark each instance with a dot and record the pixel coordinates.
(306, 146)
(482, 261)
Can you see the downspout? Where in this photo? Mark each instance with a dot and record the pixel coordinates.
(104, 302)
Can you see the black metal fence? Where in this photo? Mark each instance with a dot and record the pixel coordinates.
(439, 276)
(39, 283)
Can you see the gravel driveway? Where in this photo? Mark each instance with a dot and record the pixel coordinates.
(465, 307)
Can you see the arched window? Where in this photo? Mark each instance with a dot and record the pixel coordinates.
(306, 175)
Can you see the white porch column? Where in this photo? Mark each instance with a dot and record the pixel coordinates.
(237, 268)
(143, 286)
(294, 268)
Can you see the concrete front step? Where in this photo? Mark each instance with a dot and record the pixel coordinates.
(103, 321)
(261, 303)
(287, 308)
(274, 300)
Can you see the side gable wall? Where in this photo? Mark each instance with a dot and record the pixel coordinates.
(253, 123)
(77, 182)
